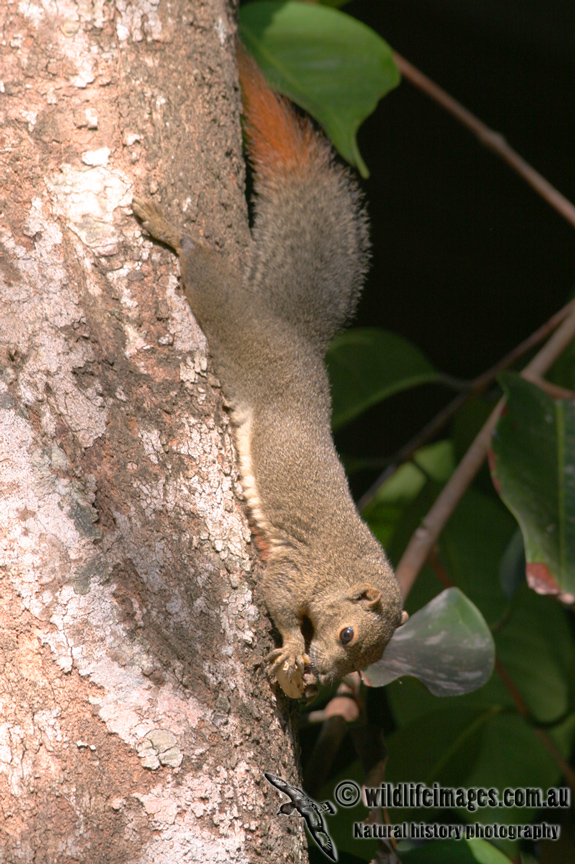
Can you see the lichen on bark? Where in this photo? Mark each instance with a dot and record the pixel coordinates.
(136, 721)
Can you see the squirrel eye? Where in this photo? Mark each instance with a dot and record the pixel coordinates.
(346, 635)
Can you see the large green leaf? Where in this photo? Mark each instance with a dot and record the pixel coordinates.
(471, 747)
(533, 468)
(442, 746)
(470, 548)
(367, 365)
(535, 647)
(447, 645)
(385, 510)
(327, 62)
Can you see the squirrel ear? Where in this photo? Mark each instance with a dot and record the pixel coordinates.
(366, 592)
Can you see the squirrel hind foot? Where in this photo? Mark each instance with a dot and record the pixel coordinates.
(156, 224)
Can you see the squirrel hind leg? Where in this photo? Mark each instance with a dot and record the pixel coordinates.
(156, 224)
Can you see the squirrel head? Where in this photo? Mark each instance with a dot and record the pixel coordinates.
(351, 630)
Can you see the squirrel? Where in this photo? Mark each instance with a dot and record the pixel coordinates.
(328, 585)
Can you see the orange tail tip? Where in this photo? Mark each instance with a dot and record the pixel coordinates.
(279, 142)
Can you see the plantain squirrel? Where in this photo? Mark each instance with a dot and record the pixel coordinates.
(328, 584)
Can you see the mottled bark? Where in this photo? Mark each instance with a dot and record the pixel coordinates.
(135, 723)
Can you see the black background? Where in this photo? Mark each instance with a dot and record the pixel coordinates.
(467, 259)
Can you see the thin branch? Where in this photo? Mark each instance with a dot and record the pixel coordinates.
(552, 390)
(478, 385)
(426, 535)
(494, 140)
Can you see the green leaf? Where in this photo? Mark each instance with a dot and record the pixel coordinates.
(436, 460)
(384, 512)
(367, 365)
(535, 647)
(455, 852)
(442, 746)
(522, 761)
(455, 747)
(470, 549)
(512, 568)
(325, 61)
(533, 468)
(447, 645)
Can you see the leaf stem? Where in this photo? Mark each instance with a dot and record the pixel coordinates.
(494, 140)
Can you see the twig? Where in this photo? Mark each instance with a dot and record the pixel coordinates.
(494, 140)
(478, 385)
(552, 390)
(426, 535)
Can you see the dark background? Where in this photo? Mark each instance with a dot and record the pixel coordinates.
(467, 259)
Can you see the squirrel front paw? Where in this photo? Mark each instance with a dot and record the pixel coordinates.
(288, 667)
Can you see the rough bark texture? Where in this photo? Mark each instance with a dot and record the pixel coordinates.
(134, 723)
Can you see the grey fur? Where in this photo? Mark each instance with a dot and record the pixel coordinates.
(268, 330)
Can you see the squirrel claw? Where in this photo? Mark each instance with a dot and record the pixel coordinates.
(288, 668)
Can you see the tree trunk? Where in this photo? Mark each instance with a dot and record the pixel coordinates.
(135, 721)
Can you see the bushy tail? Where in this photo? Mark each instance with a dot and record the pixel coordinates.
(310, 230)
(279, 142)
